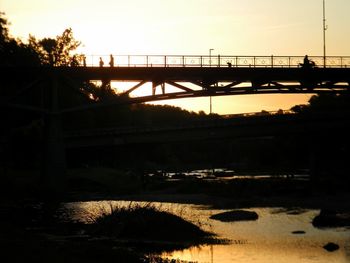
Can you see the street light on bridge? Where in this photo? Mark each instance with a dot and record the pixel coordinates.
(210, 50)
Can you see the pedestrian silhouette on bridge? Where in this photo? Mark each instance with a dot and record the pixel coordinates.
(84, 61)
(111, 61)
(101, 62)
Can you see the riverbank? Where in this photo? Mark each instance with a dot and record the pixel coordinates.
(27, 235)
(87, 184)
(227, 193)
(28, 231)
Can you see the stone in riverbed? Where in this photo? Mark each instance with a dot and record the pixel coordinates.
(331, 218)
(298, 232)
(331, 247)
(236, 215)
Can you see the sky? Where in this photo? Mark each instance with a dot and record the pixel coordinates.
(192, 27)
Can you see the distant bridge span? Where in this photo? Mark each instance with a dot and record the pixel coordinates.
(311, 125)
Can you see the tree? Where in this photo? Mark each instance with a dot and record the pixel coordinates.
(58, 51)
(4, 31)
(324, 103)
(14, 52)
(298, 108)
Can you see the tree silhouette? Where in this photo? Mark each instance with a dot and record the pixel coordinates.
(14, 52)
(58, 51)
(4, 31)
(325, 103)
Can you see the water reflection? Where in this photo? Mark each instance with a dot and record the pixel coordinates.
(222, 174)
(269, 239)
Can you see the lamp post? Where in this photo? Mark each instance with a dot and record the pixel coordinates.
(324, 33)
(210, 50)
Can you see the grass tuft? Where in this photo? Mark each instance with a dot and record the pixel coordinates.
(148, 222)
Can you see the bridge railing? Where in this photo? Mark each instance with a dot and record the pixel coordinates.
(215, 61)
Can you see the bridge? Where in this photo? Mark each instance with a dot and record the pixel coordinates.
(190, 76)
(195, 76)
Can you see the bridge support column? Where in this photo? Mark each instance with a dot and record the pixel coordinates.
(54, 156)
(156, 83)
(54, 161)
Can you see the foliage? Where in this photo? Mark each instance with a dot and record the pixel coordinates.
(4, 30)
(330, 102)
(325, 103)
(14, 52)
(299, 108)
(149, 222)
(58, 51)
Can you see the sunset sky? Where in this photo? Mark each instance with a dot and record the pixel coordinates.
(192, 27)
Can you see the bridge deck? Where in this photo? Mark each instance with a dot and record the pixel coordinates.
(183, 74)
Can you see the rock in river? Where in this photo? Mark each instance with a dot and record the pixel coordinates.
(331, 218)
(298, 232)
(331, 247)
(235, 215)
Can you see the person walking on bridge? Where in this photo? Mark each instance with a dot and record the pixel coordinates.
(111, 61)
(101, 62)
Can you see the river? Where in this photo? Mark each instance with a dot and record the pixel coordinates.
(267, 240)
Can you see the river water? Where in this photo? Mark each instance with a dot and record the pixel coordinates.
(267, 240)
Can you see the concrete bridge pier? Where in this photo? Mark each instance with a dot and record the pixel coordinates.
(54, 159)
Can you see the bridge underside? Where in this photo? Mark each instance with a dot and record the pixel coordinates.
(178, 90)
(176, 83)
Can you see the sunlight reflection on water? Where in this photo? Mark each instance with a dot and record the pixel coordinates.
(266, 240)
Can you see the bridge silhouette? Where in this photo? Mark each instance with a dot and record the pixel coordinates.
(191, 76)
(198, 76)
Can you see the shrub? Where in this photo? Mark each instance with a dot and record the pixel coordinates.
(146, 222)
